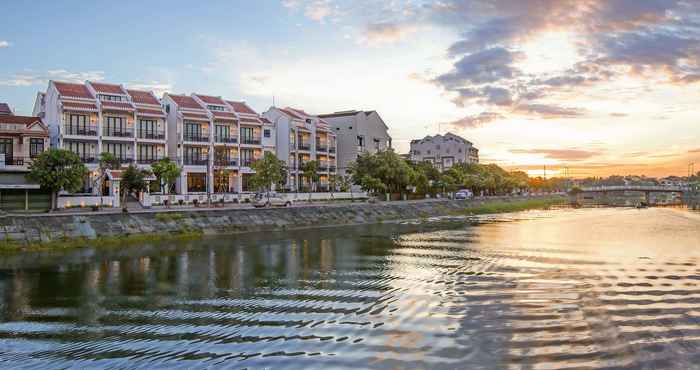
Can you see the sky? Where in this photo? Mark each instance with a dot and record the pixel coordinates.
(583, 87)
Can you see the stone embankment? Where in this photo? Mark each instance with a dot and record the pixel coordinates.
(27, 232)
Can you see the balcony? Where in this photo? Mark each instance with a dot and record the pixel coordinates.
(331, 168)
(251, 140)
(226, 139)
(196, 161)
(323, 167)
(304, 146)
(87, 158)
(150, 160)
(321, 148)
(248, 162)
(151, 134)
(118, 132)
(196, 138)
(125, 160)
(225, 162)
(85, 130)
(331, 150)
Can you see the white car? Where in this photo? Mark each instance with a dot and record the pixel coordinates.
(463, 194)
(270, 199)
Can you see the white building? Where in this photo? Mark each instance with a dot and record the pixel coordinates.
(303, 137)
(216, 141)
(444, 151)
(357, 132)
(91, 118)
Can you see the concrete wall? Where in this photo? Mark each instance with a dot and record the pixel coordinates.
(38, 228)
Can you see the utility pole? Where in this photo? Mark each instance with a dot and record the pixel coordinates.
(545, 172)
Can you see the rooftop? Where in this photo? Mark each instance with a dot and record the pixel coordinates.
(25, 120)
(143, 97)
(241, 107)
(185, 101)
(5, 109)
(72, 90)
(211, 99)
(106, 88)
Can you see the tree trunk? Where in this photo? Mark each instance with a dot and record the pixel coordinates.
(54, 200)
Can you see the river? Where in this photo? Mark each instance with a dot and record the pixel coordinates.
(586, 288)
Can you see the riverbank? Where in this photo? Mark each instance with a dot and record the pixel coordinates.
(30, 233)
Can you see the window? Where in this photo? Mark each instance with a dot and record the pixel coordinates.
(192, 130)
(81, 148)
(246, 157)
(376, 144)
(266, 133)
(350, 128)
(222, 131)
(216, 107)
(119, 150)
(110, 97)
(147, 128)
(115, 126)
(247, 135)
(196, 182)
(77, 124)
(6, 149)
(360, 141)
(147, 152)
(36, 146)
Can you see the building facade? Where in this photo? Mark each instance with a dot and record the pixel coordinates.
(93, 118)
(357, 132)
(444, 151)
(216, 142)
(302, 137)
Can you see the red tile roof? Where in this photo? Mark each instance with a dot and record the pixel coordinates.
(250, 120)
(150, 112)
(185, 101)
(291, 112)
(196, 117)
(22, 120)
(265, 120)
(5, 109)
(241, 107)
(79, 106)
(219, 114)
(107, 88)
(73, 90)
(114, 105)
(143, 97)
(211, 99)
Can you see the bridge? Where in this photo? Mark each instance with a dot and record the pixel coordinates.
(639, 188)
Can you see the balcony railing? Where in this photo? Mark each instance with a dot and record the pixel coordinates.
(196, 161)
(323, 167)
(226, 139)
(125, 160)
(17, 161)
(118, 132)
(151, 134)
(86, 130)
(87, 158)
(321, 148)
(248, 162)
(196, 138)
(331, 168)
(304, 146)
(331, 150)
(250, 140)
(149, 160)
(226, 162)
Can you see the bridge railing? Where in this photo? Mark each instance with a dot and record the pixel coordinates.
(636, 188)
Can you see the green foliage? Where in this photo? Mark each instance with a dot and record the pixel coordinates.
(383, 171)
(167, 173)
(268, 171)
(58, 169)
(107, 162)
(133, 181)
(309, 170)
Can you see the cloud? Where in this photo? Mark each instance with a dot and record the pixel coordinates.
(573, 155)
(317, 10)
(159, 88)
(476, 121)
(386, 33)
(618, 115)
(549, 111)
(4, 44)
(32, 78)
(481, 67)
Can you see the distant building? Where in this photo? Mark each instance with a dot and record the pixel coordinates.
(5, 110)
(444, 151)
(302, 137)
(357, 132)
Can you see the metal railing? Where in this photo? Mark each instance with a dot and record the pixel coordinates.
(251, 140)
(196, 138)
(226, 162)
(331, 168)
(196, 161)
(321, 148)
(87, 158)
(151, 134)
(117, 132)
(17, 161)
(248, 162)
(83, 130)
(331, 150)
(304, 146)
(149, 160)
(226, 139)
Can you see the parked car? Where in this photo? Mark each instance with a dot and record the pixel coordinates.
(463, 194)
(270, 199)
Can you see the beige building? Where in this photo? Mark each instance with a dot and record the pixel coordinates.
(357, 132)
(444, 151)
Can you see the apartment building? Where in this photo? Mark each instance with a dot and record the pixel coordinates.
(303, 137)
(91, 118)
(357, 132)
(444, 151)
(22, 139)
(215, 140)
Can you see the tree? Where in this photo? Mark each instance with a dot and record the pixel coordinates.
(268, 171)
(384, 171)
(167, 172)
(56, 170)
(133, 181)
(221, 161)
(107, 162)
(310, 171)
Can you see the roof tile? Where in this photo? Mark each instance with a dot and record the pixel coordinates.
(67, 89)
(143, 97)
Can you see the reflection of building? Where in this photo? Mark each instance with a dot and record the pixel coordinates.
(302, 137)
(357, 132)
(444, 151)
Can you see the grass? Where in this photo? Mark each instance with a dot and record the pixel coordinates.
(169, 216)
(510, 206)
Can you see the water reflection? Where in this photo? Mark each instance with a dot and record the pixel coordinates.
(565, 289)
